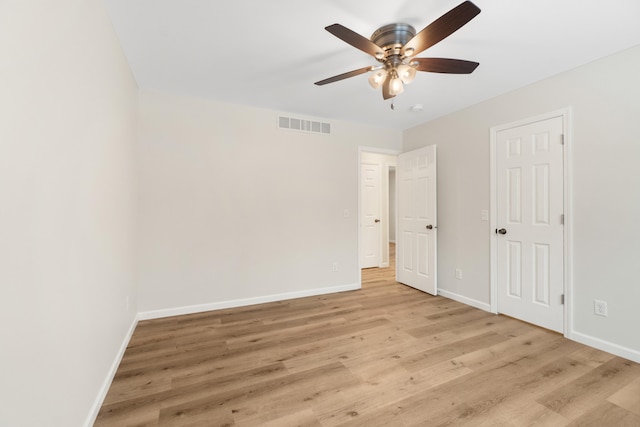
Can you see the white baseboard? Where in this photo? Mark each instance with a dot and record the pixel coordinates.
(97, 404)
(469, 301)
(177, 311)
(607, 346)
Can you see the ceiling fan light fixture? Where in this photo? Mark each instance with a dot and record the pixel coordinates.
(409, 52)
(395, 86)
(406, 73)
(377, 78)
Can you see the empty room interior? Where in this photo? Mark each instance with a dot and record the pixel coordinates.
(445, 232)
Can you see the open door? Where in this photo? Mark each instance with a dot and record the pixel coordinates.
(417, 221)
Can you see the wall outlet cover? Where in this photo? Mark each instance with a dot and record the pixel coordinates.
(600, 307)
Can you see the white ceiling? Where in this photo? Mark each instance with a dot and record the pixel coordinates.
(269, 53)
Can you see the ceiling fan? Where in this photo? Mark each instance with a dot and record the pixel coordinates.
(396, 45)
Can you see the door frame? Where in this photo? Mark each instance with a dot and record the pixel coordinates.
(383, 170)
(565, 114)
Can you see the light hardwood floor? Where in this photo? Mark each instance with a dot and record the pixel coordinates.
(385, 355)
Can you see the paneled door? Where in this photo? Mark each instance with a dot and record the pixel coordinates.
(417, 222)
(529, 219)
(370, 221)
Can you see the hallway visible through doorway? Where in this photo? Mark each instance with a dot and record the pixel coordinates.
(379, 273)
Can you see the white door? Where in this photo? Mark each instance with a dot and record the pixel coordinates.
(529, 233)
(370, 221)
(417, 222)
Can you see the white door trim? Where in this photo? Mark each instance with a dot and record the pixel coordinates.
(565, 113)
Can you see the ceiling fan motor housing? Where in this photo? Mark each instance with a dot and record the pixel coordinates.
(392, 38)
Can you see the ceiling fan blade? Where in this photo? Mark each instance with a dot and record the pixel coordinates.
(355, 40)
(386, 88)
(445, 65)
(344, 76)
(442, 27)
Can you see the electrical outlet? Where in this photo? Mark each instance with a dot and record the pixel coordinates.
(458, 274)
(484, 215)
(346, 213)
(600, 307)
(334, 267)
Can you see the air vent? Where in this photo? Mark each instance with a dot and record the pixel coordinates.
(304, 125)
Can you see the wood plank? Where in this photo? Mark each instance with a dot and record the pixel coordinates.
(607, 414)
(628, 397)
(274, 397)
(580, 396)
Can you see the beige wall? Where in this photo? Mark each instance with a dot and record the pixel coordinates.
(67, 130)
(235, 211)
(604, 98)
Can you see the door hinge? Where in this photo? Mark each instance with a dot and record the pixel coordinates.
(562, 219)
(562, 138)
(562, 299)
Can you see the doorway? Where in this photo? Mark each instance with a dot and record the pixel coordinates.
(377, 207)
(529, 199)
(371, 200)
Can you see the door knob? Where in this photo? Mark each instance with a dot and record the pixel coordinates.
(376, 220)
(429, 227)
(501, 231)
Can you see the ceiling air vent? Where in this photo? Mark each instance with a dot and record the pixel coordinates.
(304, 125)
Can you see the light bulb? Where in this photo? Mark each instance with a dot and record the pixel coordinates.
(395, 86)
(406, 73)
(376, 79)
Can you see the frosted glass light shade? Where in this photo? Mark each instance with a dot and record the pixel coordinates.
(406, 73)
(396, 87)
(377, 78)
